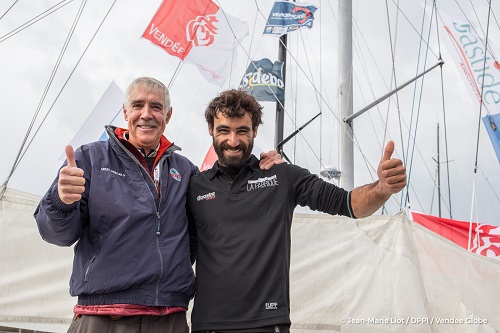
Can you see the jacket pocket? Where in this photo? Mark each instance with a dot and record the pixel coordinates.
(89, 266)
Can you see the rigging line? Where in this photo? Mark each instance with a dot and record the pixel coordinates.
(419, 102)
(8, 9)
(65, 83)
(359, 53)
(252, 37)
(33, 20)
(481, 104)
(310, 69)
(232, 63)
(475, 14)
(444, 115)
(496, 21)
(415, 29)
(491, 187)
(472, 25)
(393, 77)
(393, 80)
(415, 86)
(49, 83)
(176, 73)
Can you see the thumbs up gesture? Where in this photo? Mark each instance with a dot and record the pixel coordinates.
(391, 172)
(70, 185)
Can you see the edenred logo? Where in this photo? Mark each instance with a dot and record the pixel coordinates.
(202, 30)
(305, 10)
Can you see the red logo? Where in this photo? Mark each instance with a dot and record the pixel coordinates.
(201, 31)
(305, 10)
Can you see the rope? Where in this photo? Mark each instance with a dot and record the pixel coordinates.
(407, 198)
(49, 83)
(444, 117)
(8, 9)
(479, 122)
(32, 21)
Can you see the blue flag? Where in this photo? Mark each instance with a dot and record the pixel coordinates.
(264, 80)
(289, 16)
(491, 123)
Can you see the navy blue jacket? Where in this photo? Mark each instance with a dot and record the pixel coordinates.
(132, 244)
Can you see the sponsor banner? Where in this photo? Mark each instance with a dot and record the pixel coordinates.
(289, 16)
(264, 80)
(485, 239)
(480, 70)
(198, 32)
(178, 22)
(491, 123)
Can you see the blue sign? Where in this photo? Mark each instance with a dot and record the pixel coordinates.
(289, 16)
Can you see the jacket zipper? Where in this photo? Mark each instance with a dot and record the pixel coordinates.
(158, 225)
(158, 217)
(91, 261)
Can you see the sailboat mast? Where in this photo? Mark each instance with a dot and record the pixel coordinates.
(345, 95)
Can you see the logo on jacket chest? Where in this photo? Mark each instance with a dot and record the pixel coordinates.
(175, 174)
(113, 171)
(208, 196)
(262, 182)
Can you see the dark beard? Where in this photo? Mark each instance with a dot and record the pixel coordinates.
(233, 161)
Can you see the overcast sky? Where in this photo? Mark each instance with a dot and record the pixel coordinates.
(118, 54)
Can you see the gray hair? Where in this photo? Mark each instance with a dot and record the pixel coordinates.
(151, 85)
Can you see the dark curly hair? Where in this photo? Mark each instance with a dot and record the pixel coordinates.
(234, 103)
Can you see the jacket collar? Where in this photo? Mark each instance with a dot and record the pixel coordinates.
(120, 133)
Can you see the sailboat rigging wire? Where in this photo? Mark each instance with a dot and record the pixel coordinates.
(232, 63)
(393, 77)
(49, 83)
(8, 9)
(176, 73)
(444, 116)
(64, 85)
(33, 20)
(491, 187)
(252, 37)
(479, 124)
(419, 33)
(410, 165)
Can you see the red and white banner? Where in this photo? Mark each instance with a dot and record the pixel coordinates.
(485, 239)
(198, 32)
(209, 160)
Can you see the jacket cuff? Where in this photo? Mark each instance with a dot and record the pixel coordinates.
(57, 204)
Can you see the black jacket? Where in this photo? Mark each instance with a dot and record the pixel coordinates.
(243, 234)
